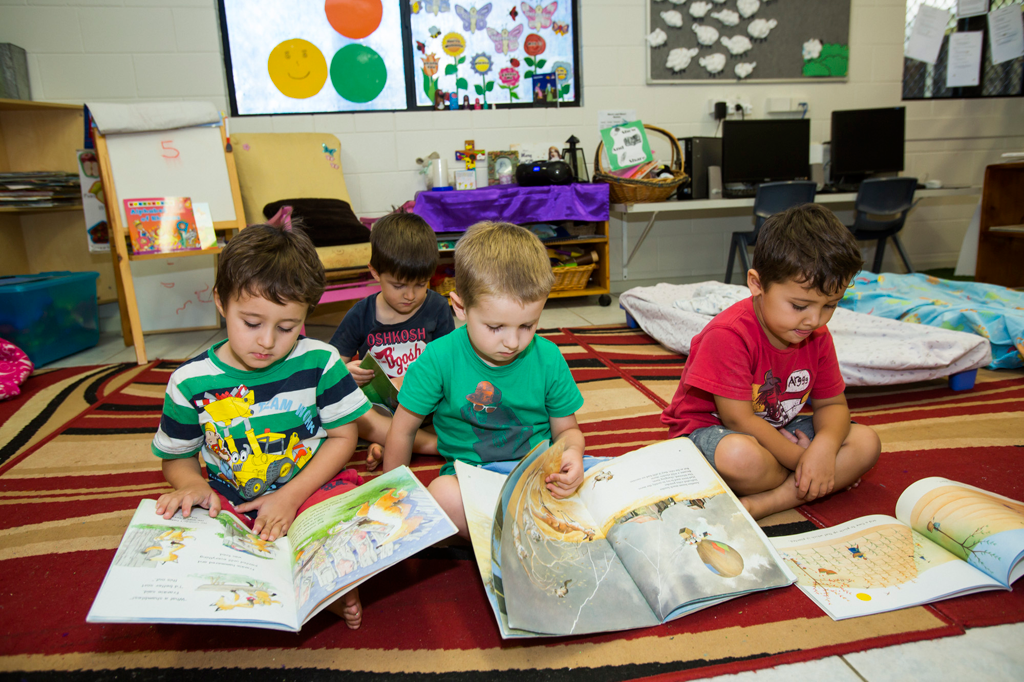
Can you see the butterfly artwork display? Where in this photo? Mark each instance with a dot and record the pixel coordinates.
(473, 19)
(506, 41)
(539, 17)
(421, 47)
(560, 29)
(436, 7)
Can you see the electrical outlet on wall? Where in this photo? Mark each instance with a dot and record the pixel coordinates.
(733, 107)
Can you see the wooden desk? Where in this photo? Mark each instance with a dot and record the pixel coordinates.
(623, 211)
(1001, 232)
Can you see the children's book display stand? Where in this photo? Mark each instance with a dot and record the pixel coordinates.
(189, 162)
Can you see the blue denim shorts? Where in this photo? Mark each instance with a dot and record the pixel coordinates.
(707, 438)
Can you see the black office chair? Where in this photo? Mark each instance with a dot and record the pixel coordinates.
(890, 200)
(772, 198)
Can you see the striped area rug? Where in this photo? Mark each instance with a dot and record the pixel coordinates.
(75, 461)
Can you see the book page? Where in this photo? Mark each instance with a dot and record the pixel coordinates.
(680, 533)
(875, 564)
(342, 541)
(381, 390)
(481, 490)
(982, 528)
(196, 570)
(555, 569)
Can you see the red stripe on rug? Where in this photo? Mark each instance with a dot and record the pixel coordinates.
(653, 397)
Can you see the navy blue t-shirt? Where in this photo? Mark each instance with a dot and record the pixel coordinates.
(394, 346)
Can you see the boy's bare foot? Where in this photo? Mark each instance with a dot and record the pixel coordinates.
(374, 454)
(349, 608)
(786, 496)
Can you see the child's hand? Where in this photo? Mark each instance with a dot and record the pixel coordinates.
(362, 376)
(564, 483)
(198, 494)
(815, 474)
(276, 513)
(800, 438)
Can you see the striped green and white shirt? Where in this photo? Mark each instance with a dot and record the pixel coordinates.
(256, 430)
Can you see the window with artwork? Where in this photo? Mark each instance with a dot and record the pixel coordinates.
(325, 56)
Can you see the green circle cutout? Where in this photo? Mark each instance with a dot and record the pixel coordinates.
(358, 73)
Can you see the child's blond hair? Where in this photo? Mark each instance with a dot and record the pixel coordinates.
(501, 259)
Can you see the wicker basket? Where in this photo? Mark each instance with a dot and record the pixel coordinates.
(630, 191)
(571, 277)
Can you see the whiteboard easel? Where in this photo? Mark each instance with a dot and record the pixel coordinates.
(185, 162)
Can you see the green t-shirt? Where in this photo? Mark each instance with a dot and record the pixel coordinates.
(488, 414)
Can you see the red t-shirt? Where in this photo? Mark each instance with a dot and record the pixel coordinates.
(732, 358)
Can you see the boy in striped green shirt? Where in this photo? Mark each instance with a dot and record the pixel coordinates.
(266, 410)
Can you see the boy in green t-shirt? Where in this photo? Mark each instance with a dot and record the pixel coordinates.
(495, 390)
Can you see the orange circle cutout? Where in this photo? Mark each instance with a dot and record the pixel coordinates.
(354, 19)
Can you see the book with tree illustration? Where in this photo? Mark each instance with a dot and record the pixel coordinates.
(947, 539)
(648, 537)
(214, 571)
(382, 389)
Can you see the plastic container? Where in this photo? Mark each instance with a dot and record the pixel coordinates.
(50, 315)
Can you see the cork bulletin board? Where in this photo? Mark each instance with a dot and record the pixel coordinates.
(701, 41)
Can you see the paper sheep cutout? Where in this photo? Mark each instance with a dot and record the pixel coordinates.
(727, 17)
(673, 18)
(737, 44)
(748, 8)
(760, 28)
(657, 38)
(699, 9)
(743, 69)
(713, 63)
(812, 49)
(706, 35)
(679, 58)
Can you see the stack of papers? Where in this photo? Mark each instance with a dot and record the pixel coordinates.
(41, 189)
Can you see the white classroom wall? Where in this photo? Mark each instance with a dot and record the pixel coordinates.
(151, 50)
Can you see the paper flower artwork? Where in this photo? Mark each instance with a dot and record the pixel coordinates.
(673, 18)
(812, 49)
(706, 35)
(744, 69)
(737, 44)
(727, 17)
(760, 28)
(657, 37)
(713, 63)
(748, 8)
(699, 9)
(679, 58)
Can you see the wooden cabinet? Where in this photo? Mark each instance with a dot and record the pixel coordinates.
(1001, 235)
(37, 136)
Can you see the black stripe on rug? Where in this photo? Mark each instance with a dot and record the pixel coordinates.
(156, 408)
(609, 673)
(108, 432)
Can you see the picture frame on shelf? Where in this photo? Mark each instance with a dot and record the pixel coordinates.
(501, 167)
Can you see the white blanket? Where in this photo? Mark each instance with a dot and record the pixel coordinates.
(872, 351)
(146, 116)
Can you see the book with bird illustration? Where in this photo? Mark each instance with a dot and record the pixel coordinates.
(948, 539)
(648, 537)
(215, 571)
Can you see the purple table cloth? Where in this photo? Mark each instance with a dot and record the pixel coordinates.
(456, 210)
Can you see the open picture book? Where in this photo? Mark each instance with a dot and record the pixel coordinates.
(648, 537)
(214, 571)
(948, 539)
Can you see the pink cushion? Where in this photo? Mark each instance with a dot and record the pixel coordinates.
(14, 369)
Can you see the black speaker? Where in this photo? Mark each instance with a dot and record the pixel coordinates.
(543, 173)
(699, 153)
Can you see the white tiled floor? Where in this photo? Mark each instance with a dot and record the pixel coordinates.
(982, 655)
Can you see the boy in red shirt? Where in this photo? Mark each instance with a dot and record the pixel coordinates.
(752, 369)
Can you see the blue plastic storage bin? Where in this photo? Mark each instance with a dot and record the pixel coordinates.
(50, 315)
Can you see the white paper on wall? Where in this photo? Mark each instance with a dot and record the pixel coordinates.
(926, 36)
(963, 68)
(1006, 33)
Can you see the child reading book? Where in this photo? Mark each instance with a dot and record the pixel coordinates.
(753, 368)
(495, 390)
(396, 324)
(266, 410)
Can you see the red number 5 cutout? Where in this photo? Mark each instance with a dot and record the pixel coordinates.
(166, 146)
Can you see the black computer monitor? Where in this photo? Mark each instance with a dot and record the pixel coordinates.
(867, 141)
(764, 151)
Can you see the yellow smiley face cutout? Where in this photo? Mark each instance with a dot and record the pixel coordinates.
(298, 68)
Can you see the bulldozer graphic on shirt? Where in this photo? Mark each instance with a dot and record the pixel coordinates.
(264, 459)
